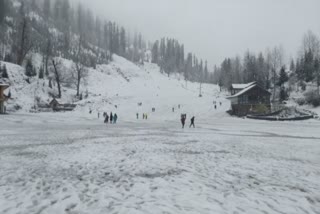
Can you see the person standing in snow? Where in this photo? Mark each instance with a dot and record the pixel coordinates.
(115, 118)
(215, 107)
(106, 118)
(146, 116)
(183, 120)
(111, 117)
(192, 122)
(137, 116)
(173, 109)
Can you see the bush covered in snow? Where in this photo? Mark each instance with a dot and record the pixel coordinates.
(312, 97)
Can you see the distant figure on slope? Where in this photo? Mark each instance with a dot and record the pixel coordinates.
(137, 116)
(173, 109)
(183, 119)
(192, 122)
(146, 116)
(106, 118)
(220, 103)
(111, 117)
(215, 107)
(115, 118)
(98, 115)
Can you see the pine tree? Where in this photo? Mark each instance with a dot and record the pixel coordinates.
(317, 70)
(41, 73)
(47, 9)
(155, 53)
(50, 83)
(283, 76)
(30, 70)
(283, 94)
(123, 42)
(292, 66)
(2, 10)
(4, 72)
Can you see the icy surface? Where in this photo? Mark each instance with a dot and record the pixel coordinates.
(71, 163)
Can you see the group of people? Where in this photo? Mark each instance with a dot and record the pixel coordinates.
(183, 121)
(144, 116)
(113, 118)
(215, 104)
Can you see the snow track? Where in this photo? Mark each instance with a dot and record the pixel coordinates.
(63, 163)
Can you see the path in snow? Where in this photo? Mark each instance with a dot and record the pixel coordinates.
(62, 163)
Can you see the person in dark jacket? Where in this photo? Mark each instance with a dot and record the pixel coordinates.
(183, 120)
(115, 118)
(106, 118)
(192, 122)
(111, 117)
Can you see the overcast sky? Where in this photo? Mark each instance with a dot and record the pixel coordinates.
(215, 29)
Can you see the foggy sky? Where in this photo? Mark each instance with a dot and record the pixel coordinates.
(215, 29)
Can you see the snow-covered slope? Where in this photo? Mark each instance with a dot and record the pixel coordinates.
(119, 87)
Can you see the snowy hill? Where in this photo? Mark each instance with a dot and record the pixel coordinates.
(119, 87)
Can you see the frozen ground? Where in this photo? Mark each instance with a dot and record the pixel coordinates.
(66, 163)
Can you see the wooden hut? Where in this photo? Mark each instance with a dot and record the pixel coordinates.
(252, 99)
(3, 98)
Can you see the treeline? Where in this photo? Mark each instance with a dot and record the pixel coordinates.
(271, 71)
(169, 54)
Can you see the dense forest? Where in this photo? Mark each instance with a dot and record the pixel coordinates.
(271, 70)
(57, 28)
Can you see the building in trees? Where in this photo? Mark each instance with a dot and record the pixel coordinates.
(250, 100)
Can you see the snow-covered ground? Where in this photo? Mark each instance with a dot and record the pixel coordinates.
(73, 163)
(52, 163)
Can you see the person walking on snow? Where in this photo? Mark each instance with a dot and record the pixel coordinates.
(111, 117)
(115, 118)
(106, 118)
(183, 120)
(192, 122)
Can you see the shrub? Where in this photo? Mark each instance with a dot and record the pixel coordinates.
(312, 98)
(303, 86)
(301, 101)
(261, 109)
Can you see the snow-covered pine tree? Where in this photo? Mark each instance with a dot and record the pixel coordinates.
(41, 73)
(4, 72)
(30, 70)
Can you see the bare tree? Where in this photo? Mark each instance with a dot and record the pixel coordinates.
(311, 43)
(275, 61)
(79, 68)
(57, 74)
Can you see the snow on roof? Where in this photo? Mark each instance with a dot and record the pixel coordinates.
(254, 84)
(242, 86)
(3, 84)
